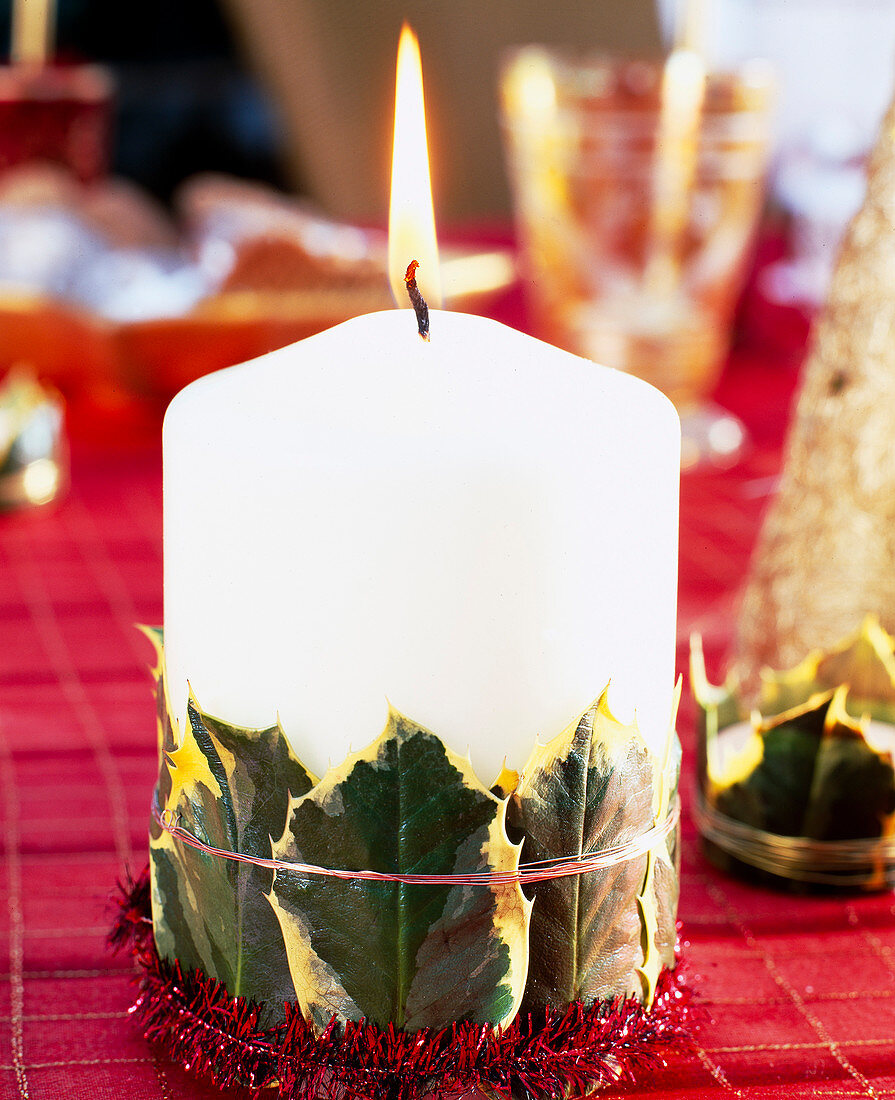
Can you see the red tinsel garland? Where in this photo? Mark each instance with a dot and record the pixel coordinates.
(542, 1056)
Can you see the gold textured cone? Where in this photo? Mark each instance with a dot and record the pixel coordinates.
(826, 554)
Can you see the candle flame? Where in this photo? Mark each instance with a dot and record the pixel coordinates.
(411, 218)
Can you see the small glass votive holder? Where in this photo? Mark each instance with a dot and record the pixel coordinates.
(795, 778)
(56, 114)
(618, 266)
(34, 458)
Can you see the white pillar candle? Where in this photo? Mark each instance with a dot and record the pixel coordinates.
(481, 530)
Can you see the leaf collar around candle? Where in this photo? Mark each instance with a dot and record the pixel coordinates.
(412, 956)
(33, 447)
(810, 764)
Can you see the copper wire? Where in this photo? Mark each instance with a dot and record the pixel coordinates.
(529, 872)
(826, 862)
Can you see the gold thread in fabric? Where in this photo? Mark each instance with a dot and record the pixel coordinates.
(830, 1044)
(16, 920)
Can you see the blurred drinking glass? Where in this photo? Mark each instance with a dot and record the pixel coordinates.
(638, 189)
(59, 115)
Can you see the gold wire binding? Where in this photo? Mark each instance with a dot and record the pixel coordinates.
(826, 862)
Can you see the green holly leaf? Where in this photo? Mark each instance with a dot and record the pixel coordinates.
(814, 775)
(171, 905)
(853, 789)
(661, 888)
(167, 733)
(165, 724)
(589, 788)
(230, 787)
(863, 662)
(717, 708)
(415, 955)
(774, 793)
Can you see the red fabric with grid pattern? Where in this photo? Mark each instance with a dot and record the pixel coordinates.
(799, 992)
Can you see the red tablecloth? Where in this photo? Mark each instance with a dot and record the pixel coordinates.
(799, 993)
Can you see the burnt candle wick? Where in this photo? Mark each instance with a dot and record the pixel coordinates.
(417, 300)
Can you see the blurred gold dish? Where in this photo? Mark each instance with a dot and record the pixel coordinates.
(269, 272)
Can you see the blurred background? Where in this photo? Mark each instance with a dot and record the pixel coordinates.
(185, 98)
(300, 93)
(151, 273)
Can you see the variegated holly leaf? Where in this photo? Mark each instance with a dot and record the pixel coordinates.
(718, 706)
(413, 955)
(771, 789)
(504, 785)
(863, 662)
(853, 789)
(168, 736)
(589, 788)
(171, 911)
(166, 727)
(230, 787)
(810, 772)
(661, 887)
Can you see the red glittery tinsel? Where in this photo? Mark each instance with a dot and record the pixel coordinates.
(542, 1056)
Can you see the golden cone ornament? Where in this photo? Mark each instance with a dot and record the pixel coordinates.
(826, 552)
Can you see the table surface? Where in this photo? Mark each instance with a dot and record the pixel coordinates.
(797, 993)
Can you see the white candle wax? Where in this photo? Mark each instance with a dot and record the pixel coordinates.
(481, 530)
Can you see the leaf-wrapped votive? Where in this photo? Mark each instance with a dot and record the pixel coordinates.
(797, 785)
(396, 917)
(33, 447)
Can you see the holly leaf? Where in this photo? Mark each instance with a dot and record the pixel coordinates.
(589, 788)
(167, 732)
(166, 727)
(853, 789)
(661, 888)
(716, 708)
(171, 905)
(815, 776)
(863, 662)
(413, 955)
(230, 787)
(774, 795)
(658, 898)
